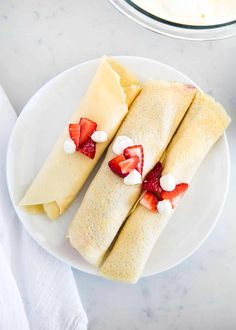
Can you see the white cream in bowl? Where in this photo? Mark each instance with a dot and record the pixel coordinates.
(191, 12)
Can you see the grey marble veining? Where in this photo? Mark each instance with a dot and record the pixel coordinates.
(40, 39)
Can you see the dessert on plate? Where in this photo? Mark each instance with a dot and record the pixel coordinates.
(139, 144)
(163, 187)
(84, 139)
(157, 136)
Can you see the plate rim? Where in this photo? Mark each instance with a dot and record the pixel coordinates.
(24, 112)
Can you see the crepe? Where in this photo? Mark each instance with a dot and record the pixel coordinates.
(61, 177)
(203, 124)
(152, 120)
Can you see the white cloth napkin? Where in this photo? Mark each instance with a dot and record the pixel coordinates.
(36, 291)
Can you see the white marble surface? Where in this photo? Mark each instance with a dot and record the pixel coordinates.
(41, 38)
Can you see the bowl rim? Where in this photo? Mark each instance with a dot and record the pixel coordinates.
(176, 24)
(173, 29)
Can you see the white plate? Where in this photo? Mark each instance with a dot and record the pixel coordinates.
(35, 133)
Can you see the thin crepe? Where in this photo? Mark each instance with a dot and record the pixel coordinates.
(61, 177)
(152, 120)
(202, 126)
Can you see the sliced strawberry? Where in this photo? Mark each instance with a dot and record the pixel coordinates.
(175, 195)
(136, 151)
(74, 131)
(114, 165)
(87, 127)
(152, 179)
(89, 148)
(150, 201)
(129, 164)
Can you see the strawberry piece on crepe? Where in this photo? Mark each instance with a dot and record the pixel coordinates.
(175, 195)
(129, 164)
(114, 165)
(89, 148)
(87, 128)
(152, 180)
(136, 150)
(74, 131)
(150, 201)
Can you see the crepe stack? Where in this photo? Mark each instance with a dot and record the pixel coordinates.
(152, 120)
(202, 126)
(61, 177)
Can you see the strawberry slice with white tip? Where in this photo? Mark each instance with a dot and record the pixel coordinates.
(87, 128)
(136, 150)
(74, 132)
(175, 195)
(129, 164)
(150, 201)
(114, 165)
(89, 148)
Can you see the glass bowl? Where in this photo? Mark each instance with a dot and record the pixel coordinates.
(172, 29)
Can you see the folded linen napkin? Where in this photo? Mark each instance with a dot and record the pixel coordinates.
(36, 290)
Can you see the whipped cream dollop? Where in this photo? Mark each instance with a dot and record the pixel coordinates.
(120, 143)
(99, 136)
(164, 207)
(69, 146)
(134, 177)
(167, 182)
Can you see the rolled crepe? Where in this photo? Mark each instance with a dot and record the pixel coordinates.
(153, 118)
(61, 177)
(203, 124)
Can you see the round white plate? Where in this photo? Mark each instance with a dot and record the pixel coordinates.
(35, 133)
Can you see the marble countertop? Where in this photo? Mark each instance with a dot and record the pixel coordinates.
(41, 38)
